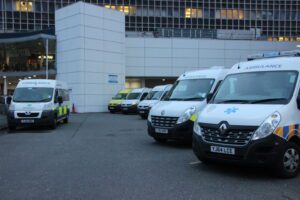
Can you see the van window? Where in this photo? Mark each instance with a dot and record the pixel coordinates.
(132, 96)
(33, 94)
(273, 87)
(144, 95)
(190, 90)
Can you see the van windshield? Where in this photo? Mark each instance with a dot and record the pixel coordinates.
(257, 88)
(154, 95)
(190, 90)
(132, 96)
(33, 94)
(120, 96)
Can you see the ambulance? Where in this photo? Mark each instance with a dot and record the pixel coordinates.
(115, 104)
(129, 105)
(156, 94)
(254, 116)
(174, 116)
(39, 102)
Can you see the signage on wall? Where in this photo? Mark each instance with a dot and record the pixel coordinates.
(113, 78)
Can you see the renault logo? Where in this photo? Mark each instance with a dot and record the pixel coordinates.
(223, 128)
(162, 113)
(27, 113)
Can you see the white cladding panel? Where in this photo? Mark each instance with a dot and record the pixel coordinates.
(90, 54)
(172, 56)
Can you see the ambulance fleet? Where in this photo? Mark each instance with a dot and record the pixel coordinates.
(249, 114)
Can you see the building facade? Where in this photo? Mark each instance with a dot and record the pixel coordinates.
(277, 20)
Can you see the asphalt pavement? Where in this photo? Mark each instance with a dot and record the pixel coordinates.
(110, 156)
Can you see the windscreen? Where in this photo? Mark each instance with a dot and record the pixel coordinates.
(120, 96)
(132, 96)
(33, 94)
(154, 95)
(257, 87)
(190, 90)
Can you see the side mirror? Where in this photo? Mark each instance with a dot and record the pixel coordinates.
(298, 102)
(209, 97)
(8, 100)
(60, 99)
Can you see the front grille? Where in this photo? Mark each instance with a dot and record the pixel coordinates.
(164, 122)
(28, 115)
(144, 107)
(232, 136)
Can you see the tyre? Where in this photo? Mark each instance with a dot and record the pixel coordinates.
(160, 140)
(66, 120)
(112, 112)
(289, 161)
(143, 116)
(54, 124)
(11, 128)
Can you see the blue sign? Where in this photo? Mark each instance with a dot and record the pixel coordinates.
(113, 79)
(228, 111)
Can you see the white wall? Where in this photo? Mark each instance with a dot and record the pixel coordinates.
(90, 47)
(159, 57)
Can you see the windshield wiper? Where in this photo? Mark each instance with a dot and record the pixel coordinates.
(268, 100)
(176, 99)
(234, 101)
(193, 98)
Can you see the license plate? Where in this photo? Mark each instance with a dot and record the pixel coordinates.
(111, 108)
(160, 130)
(27, 121)
(223, 150)
(125, 108)
(141, 111)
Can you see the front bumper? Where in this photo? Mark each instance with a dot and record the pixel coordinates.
(262, 152)
(129, 109)
(114, 108)
(143, 111)
(47, 118)
(182, 131)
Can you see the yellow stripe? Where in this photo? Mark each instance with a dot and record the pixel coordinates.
(60, 111)
(193, 117)
(65, 110)
(279, 131)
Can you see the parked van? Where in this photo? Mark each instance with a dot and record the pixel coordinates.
(254, 117)
(156, 94)
(39, 102)
(115, 104)
(129, 105)
(174, 116)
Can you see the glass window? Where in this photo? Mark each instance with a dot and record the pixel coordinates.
(132, 96)
(190, 90)
(33, 94)
(120, 96)
(274, 87)
(24, 6)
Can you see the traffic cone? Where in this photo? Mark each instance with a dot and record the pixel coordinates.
(73, 108)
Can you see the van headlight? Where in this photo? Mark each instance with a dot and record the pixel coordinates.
(186, 115)
(149, 118)
(197, 129)
(267, 127)
(12, 107)
(48, 106)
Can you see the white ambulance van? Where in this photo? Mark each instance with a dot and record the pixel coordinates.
(129, 105)
(174, 116)
(39, 102)
(254, 116)
(156, 94)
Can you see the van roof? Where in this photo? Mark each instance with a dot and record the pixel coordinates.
(213, 72)
(161, 87)
(42, 83)
(267, 64)
(140, 90)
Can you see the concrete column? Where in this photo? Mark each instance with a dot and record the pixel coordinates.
(5, 86)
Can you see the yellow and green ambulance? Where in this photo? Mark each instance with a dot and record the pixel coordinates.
(115, 103)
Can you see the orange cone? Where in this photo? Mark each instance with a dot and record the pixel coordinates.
(73, 108)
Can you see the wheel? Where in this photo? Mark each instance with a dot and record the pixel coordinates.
(160, 140)
(289, 161)
(66, 120)
(54, 124)
(143, 116)
(112, 112)
(11, 128)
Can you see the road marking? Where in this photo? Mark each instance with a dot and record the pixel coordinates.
(195, 162)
